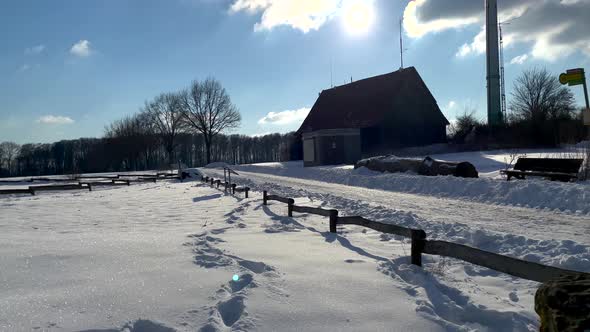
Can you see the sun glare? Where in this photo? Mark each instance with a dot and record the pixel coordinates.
(358, 17)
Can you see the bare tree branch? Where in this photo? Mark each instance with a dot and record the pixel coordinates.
(207, 108)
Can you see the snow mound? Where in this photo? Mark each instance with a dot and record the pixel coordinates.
(532, 193)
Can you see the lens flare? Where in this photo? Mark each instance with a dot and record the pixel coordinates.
(358, 17)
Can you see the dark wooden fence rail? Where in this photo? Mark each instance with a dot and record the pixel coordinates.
(420, 245)
(85, 182)
(17, 191)
(107, 184)
(226, 185)
(513, 266)
(94, 177)
(61, 187)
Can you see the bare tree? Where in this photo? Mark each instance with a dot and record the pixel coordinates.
(207, 108)
(538, 96)
(10, 151)
(166, 116)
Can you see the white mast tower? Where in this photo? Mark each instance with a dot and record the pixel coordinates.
(495, 116)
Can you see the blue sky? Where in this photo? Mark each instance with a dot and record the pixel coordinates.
(70, 67)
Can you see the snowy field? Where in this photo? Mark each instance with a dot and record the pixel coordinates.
(162, 257)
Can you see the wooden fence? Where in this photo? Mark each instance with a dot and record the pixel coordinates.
(85, 182)
(420, 245)
(231, 187)
(419, 242)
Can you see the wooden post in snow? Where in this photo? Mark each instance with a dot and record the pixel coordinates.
(418, 240)
(290, 207)
(333, 220)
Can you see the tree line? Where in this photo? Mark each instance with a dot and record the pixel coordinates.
(139, 152)
(541, 112)
(188, 127)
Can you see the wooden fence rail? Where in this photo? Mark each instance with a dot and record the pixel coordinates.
(107, 184)
(312, 210)
(60, 187)
(512, 266)
(90, 177)
(384, 228)
(83, 182)
(226, 185)
(16, 191)
(52, 180)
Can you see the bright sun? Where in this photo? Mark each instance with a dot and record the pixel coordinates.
(358, 17)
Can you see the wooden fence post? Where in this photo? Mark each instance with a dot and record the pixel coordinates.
(418, 240)
(218, 182)
(264, 199)
(233, 189)
(333, 220)
(226, 186)
(212, 181)
(290, 207)
(246, 190)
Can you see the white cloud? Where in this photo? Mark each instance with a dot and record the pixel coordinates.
(553, 28)
(416, 27)
(477, 46)
(285, 117)
(35, 50)
(55, 120)
(81, 48)
(519, 59)
(304, 15)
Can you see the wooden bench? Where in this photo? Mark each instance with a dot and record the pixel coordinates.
(553, 168)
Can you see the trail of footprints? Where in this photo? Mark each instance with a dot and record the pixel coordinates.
(229, 311)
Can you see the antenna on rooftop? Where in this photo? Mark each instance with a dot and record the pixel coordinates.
(331, 72)
(401, 42)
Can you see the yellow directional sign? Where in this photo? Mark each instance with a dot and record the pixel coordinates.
(572, 77)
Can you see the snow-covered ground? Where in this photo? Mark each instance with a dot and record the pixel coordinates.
(161, 257)
(571, 198)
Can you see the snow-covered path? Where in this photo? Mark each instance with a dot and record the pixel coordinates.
(540, 224)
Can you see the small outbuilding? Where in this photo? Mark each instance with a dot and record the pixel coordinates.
(371, 116)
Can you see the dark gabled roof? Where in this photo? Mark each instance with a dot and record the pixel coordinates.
(365, 103)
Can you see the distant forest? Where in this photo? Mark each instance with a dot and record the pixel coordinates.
(185, 126)
(139, 152)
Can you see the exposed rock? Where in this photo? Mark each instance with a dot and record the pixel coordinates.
(428, 166)
(564, 304)
(390, 164)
